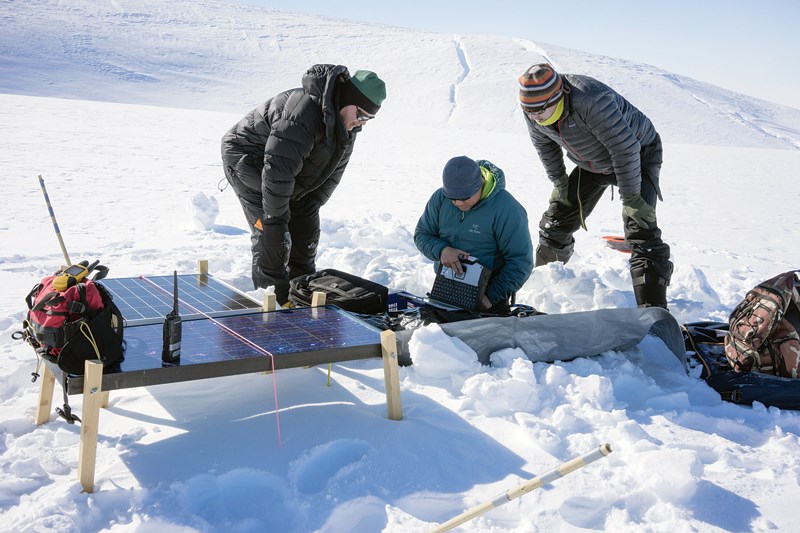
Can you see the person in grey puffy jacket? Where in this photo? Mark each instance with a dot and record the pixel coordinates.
(285, 158)
(473, 214)
(611, 142)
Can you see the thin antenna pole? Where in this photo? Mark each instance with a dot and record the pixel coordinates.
(55, 224)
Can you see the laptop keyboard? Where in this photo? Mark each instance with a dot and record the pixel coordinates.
(455, 293)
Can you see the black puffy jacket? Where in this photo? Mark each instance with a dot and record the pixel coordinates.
(601, 132)
(294, 145)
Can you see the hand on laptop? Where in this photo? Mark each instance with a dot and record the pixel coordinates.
(485, 303)
(451, 257)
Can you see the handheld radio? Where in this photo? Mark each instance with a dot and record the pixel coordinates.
(171, 350)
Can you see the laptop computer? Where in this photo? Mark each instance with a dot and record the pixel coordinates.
(460, 291)
(450, 288)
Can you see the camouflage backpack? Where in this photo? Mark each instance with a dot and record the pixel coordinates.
(764, 328)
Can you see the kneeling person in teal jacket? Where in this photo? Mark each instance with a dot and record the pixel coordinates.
(473, 214)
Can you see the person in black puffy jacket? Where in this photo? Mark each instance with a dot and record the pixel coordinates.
(611, 142)
(285, 158)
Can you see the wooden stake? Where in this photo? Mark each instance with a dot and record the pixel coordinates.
(92, 399)
(45, 406)
(391, 375)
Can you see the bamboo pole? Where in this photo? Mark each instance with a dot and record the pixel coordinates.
(53, 220)
(528, 486)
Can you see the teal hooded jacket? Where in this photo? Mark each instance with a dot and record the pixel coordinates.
(495, 231)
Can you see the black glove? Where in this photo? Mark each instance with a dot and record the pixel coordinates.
(276, 244)
(271, 257)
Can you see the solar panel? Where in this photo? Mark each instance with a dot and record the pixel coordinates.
(146, 300)
(295, 337)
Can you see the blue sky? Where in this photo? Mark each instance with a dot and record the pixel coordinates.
(746, 46)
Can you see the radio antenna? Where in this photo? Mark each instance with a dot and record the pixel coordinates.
(175, 293)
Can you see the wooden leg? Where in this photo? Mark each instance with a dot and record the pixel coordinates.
(270, 302)
(391, 375)
(104, 399)
(45, 406)
(317, 299)
(202, 272)
(92, 399)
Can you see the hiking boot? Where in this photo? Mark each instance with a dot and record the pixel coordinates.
(651, 295)
(649, 287)
(547, 254)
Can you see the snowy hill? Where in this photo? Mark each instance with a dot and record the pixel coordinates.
(121, 106)
(228, 57)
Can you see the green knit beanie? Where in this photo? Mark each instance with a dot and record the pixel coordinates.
(369, 85)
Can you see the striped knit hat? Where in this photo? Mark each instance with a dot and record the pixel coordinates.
(540, 87)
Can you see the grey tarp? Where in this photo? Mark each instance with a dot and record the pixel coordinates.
(566, 336)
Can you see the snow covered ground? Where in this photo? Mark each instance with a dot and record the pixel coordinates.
(131, 162)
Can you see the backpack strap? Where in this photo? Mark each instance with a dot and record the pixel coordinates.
(792, 315)
(78, 306)
(49, 299)
(100, 272)
(31, 297)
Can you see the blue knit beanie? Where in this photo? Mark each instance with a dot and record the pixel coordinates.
(461, 178)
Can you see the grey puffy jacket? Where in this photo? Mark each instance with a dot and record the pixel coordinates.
(294, 145)
(601, 131)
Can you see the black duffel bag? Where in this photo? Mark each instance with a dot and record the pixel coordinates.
(346, 291)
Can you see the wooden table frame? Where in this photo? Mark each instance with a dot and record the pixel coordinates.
(95, 397)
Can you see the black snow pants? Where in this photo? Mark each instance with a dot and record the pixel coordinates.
(282, 249)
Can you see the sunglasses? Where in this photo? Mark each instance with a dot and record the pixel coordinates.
(461, 199)
(550, 101)
(363, 116)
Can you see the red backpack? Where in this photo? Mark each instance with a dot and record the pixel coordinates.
(764, 333)
(73, 325)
